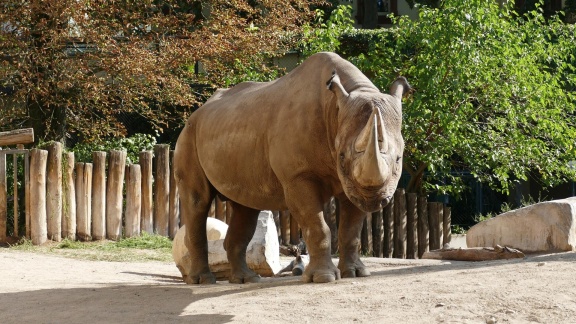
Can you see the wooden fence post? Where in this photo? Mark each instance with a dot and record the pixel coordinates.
(69, 198)
(294, 231)
(285, 226)
(377, 233)
(228, 212)
(54, 191)
(219, 209)
(15, 185)
(447, 238)
(330, 219)
(99, 195)
(366, 235)
(133, 200)
(161, 187)
(116, 169)
(27, 202)
(399, 224)
(147, 218)
(174, 213)
(423, 228)
(412, 226)
(3, 198)
(38, 222)
(435, 214)
(83, 201)
(388, 219)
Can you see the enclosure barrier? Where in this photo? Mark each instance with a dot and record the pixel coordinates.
(107, 199)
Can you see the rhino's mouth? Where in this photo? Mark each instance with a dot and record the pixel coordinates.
(368, 199)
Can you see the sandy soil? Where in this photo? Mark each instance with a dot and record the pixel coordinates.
(39, 288)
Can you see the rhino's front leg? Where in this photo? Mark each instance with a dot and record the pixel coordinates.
(349, 230)
(305, 205)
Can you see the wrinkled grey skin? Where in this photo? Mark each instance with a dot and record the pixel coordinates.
(291, 143)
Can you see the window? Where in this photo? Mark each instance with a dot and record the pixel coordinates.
(383, 7)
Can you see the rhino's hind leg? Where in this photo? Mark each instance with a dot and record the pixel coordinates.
(349, 229)
(240, 231)
(196, 196)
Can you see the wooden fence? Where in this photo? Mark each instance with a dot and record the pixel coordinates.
(107, 199)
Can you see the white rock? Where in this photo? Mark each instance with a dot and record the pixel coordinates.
(546, 226)
(262, 254)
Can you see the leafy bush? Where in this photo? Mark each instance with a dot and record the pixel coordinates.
(494, 91)
(132, 145)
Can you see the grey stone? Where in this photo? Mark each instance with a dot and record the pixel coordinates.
(262, 254)
(542, 227)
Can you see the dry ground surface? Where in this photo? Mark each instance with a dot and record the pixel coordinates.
(46, 288)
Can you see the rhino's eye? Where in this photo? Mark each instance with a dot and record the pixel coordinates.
(398, 158)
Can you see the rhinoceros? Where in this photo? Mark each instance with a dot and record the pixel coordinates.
(321, 131)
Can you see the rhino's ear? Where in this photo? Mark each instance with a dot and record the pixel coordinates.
(335, 86)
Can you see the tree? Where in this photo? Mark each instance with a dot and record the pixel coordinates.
(76, 67)
(494, 94)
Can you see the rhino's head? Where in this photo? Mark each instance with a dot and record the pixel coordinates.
(368, 143)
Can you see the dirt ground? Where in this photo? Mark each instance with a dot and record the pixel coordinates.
(40, 288)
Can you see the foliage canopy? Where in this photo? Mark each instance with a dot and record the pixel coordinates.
(494, 92)
(79, 66)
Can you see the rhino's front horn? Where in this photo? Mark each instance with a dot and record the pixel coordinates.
(370, 168)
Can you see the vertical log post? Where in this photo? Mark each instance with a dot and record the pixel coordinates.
(423, 228)
(99, 195)
(411, 226)
(146, 219)
(83, 201)
(15, 185)
(38, 222)
(3, 198)
(161, 187)
(447, 228)
(285, 226)
(377, 233)
(435, 215)
(219, 209)
(133, 200)
(400, 224)
(54, 191)
(366, 235)
(330, 219)
(294, 231)
(228, 212)
(388, 219)
(116, 169)
(27, 204)
(69, 198)
(174, 208)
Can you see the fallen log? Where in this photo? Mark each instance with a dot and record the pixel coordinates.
(474, 254)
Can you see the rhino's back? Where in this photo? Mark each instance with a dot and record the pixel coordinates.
(252, 139)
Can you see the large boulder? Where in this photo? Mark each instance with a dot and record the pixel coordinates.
(262, 254)
(542, 227)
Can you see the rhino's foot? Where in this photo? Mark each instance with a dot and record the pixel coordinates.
(245, 276)
(357, 269)
(204, 278)
(321, 275)
(353, 273)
